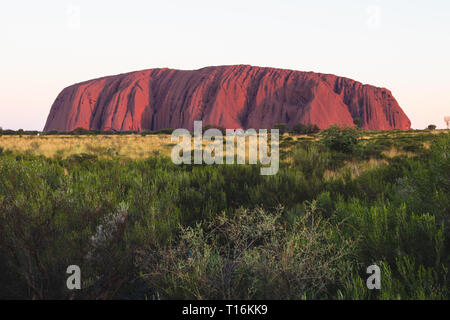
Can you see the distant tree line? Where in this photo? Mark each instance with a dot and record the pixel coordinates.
(20, 132)
(81, 131)
(299, 128)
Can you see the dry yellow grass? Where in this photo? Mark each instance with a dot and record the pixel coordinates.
(138, 146)
(131, 146)
(104, 146)
(355, 168)
(394, 152)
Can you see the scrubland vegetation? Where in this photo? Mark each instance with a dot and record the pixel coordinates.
(141, 227)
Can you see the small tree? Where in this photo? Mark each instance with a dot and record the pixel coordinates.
(80, 131)
(357, 122)
(20, 132)
(340, 139)
(312, 128)
(301, 128)
(432, 127)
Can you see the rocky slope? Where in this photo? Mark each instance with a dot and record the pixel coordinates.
(238, 96)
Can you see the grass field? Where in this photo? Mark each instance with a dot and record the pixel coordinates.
(138, 147)
(141, 227)
(63, 146)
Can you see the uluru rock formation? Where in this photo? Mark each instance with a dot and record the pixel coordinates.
(232, 97)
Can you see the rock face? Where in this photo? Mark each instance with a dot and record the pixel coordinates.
(232, 97)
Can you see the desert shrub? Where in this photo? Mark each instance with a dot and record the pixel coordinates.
(414, 147)
(374, 148)
(340, 139)
(337, 160)
(388, 234)
(51, 220)
(311, 160)
(249, 256)
(325, 204)
(426, 184)
(407, 281)
(305, 128)
(82, 158)
(415, 234)
(80, 131)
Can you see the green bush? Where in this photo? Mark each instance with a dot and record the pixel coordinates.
(250, 256)
(80, 131)
(414, 147)
(305, 128)
(340, 139)
(357, 122)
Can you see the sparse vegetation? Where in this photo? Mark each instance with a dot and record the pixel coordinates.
(141, 227)
(305, 128)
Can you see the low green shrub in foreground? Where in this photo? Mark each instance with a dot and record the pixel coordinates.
(340, 139)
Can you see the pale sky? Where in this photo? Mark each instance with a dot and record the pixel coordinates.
(403, 45)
